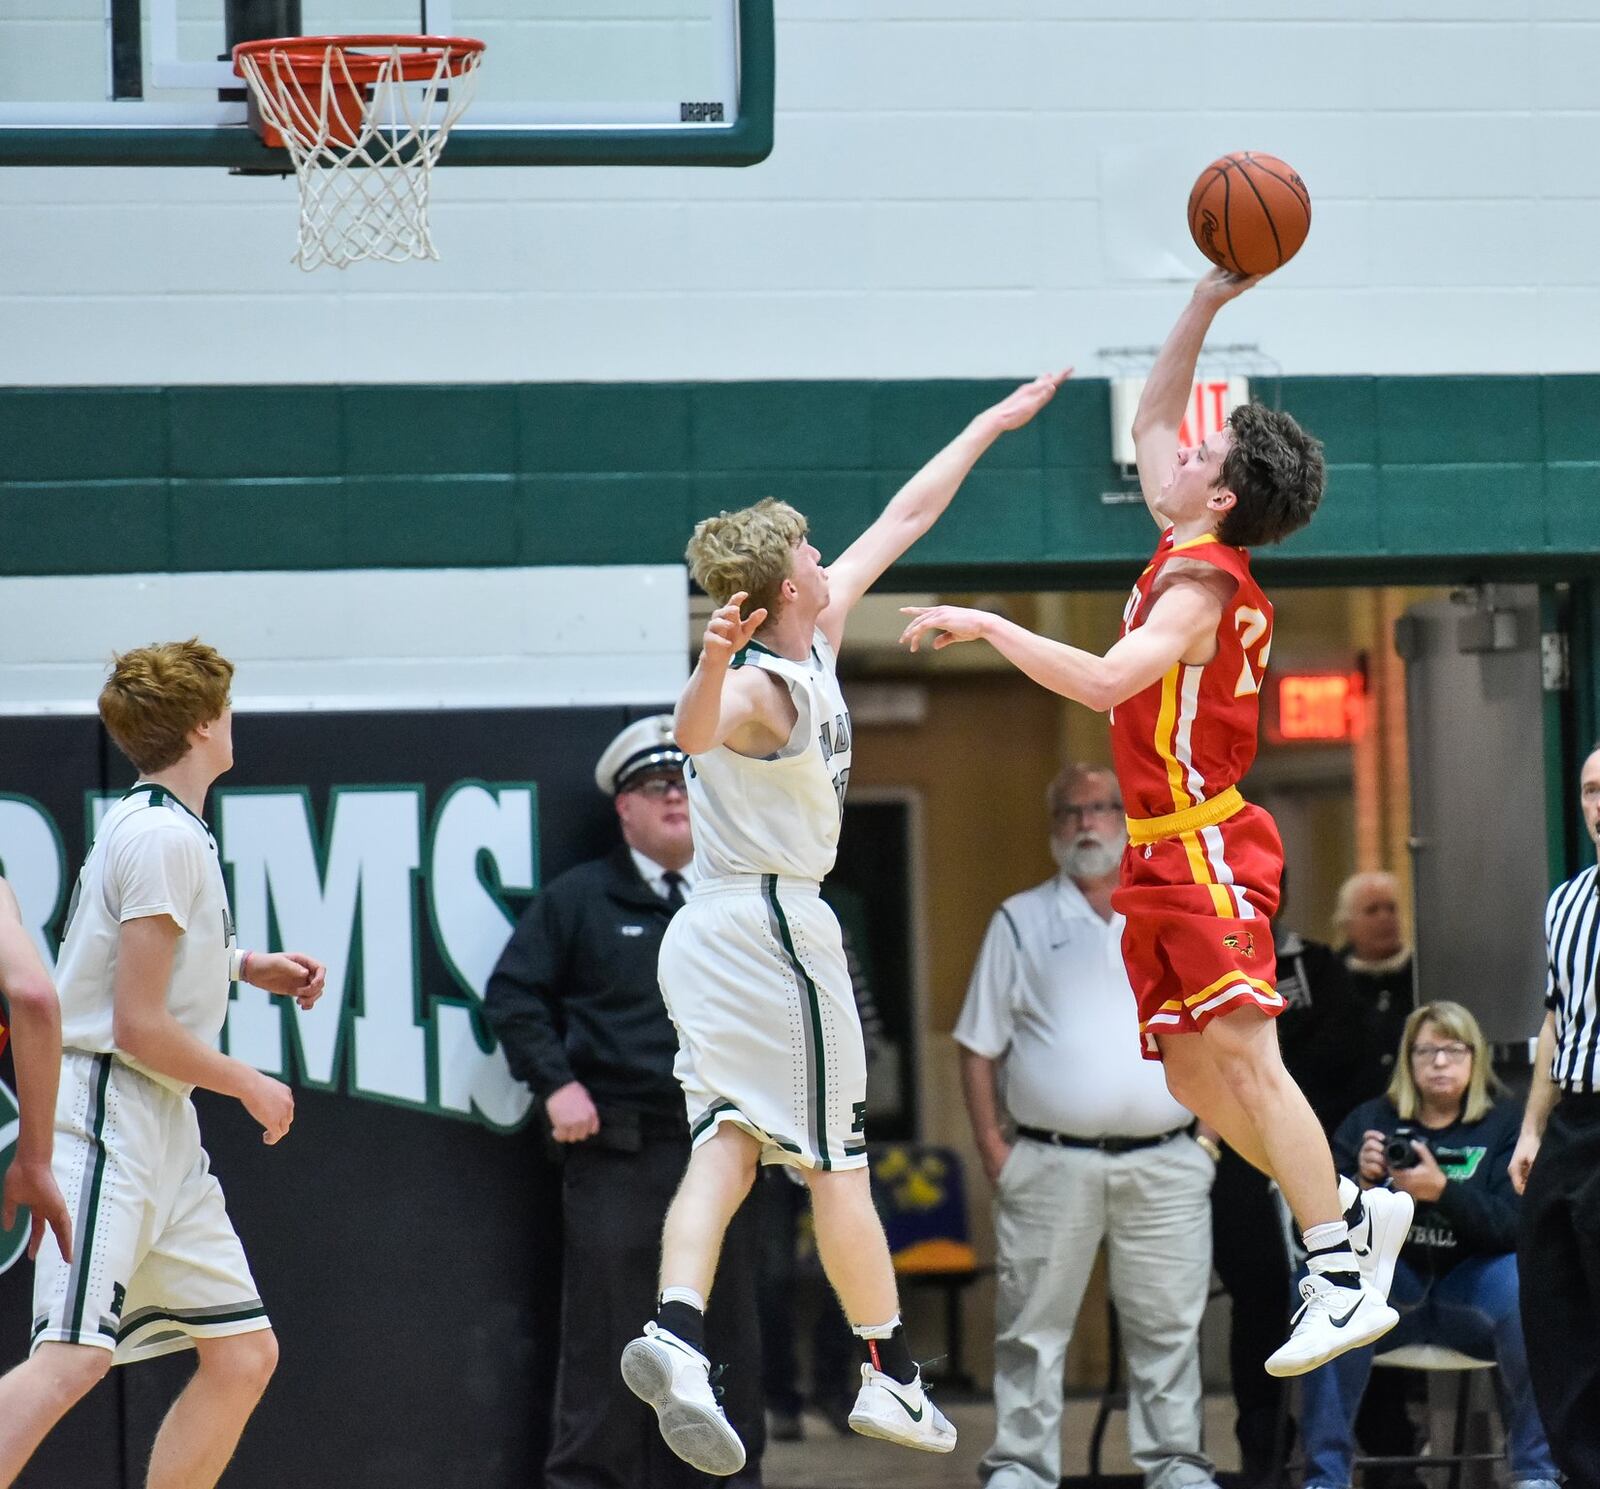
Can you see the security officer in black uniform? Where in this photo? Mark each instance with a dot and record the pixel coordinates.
(575, 1003)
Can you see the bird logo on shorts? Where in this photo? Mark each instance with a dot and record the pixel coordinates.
(1232, 942)
(13, 1242)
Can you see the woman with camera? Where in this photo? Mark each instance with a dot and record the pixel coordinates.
(1444, 1135)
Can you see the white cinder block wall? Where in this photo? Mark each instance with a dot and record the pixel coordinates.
(959, 187)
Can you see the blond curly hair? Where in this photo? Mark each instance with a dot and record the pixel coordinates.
(157, 694)
(750, 550)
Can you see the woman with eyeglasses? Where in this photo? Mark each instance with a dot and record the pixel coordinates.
(1444, 1133)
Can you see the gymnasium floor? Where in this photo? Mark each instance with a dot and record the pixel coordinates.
(824, 1460)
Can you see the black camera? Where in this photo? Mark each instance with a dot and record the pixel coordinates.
(1398, 1152)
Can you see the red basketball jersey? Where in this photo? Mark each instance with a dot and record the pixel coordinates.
(1192, 734)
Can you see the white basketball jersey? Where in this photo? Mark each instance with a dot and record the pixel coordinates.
(151, 856)
(779, 815)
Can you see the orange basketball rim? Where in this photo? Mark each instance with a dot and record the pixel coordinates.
(322, 85)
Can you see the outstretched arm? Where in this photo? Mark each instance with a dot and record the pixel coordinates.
(1181, 622)
(1166, 390)
(922, 501)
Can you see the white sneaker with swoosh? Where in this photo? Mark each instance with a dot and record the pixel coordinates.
(895, 1412)
(675, 1378)
(1382, 1223)
(1331, 1320)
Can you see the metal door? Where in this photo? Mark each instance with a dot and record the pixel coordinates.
(1475, 746)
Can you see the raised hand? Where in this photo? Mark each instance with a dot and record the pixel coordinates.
(1221, 285)
(1015, 410)
(947, 624)
(727, 634)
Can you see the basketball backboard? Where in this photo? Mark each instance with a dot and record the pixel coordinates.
(564, 82)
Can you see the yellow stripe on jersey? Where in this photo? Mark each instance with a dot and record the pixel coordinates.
(1223, 981)
(1201, 869)
(1199, 542)
(1223, 805)
(1166, 733)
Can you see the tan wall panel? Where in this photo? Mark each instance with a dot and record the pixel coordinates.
(980, 761)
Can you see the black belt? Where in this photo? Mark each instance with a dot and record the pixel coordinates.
(1579, 1106)
(1099, 1144)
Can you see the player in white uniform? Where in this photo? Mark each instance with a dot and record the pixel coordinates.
(752, 969)
(153, 1264)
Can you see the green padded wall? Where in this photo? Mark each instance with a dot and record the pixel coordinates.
(1432, 478)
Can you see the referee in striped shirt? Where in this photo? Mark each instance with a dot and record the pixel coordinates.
(1556, 1168)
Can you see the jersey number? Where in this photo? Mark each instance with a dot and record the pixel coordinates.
(1252, 625)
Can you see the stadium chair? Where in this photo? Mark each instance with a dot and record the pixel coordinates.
(1436, 1359)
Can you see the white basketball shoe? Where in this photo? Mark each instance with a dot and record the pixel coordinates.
(1379, 1221)
(1331, 1320)
(888, 1409)
(675, 1379)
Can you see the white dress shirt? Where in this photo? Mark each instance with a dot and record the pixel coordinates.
(1049, 997)
(655, 876)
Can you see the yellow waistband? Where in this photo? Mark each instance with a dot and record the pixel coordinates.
(1190, 819)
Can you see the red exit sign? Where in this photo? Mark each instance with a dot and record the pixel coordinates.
(1321, 707)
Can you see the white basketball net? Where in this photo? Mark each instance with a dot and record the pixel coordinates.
(364, 172)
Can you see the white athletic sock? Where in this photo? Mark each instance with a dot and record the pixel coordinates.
(876, 1331)
(1328, 1249)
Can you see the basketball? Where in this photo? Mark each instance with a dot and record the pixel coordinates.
(1249, 213)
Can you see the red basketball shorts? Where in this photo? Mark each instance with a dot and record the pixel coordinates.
(1198, 942)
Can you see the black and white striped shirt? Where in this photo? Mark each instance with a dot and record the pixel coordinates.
(1572, 944)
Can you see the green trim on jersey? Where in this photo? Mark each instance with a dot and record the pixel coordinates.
(90, 1205)
(819, 1063)
(160, 796)
(741, 658)
(227, 1314)
(711, 1115)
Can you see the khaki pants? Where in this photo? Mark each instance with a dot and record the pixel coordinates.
(1053, 1209)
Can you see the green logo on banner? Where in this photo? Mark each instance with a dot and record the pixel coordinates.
(13, 1242)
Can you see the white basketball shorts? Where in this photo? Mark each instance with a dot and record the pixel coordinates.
(155, 1261)
(753, 973)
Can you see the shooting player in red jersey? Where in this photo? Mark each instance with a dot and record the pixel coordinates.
(1200, 877)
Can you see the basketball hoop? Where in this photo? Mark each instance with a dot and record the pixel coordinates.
(364, 119)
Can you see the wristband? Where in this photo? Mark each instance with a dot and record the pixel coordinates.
(1209, 1146)
(237, 962)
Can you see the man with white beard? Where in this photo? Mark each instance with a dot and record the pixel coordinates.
(1084, 1145)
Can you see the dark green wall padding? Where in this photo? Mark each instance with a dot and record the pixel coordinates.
(1432, 478)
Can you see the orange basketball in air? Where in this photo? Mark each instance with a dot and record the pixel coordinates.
(1249, 213)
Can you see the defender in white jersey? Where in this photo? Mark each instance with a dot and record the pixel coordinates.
(766, 831)
(153, 1263)
(753, 969)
